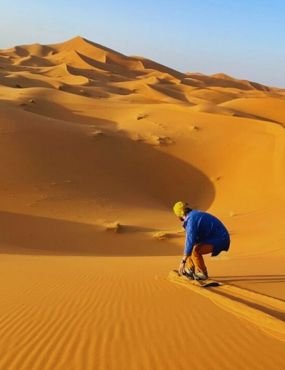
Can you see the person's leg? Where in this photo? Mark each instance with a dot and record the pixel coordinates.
(190, 264)
(197, 257)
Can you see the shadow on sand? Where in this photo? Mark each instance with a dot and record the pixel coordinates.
(35, 235)
(255, 279)
(112, 167)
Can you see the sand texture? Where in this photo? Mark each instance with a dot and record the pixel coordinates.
(95, 147)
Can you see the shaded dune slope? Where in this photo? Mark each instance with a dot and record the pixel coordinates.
(95, 147)
(86, 128)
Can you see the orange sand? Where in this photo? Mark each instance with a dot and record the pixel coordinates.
(95, 147)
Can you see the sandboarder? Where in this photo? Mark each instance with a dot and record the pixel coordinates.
(204, 234)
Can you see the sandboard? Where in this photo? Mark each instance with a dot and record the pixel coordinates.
(201, 283)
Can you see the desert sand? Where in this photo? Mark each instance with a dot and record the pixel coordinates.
(95, 148)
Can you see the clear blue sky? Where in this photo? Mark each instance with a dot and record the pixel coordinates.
(244, 38)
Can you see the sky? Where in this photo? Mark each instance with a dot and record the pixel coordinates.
(242, 38)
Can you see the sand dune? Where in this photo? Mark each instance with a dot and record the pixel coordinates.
(100, 62)
(223, 80)
(267, 313)
(95, 146)
(89, 308)
(269, 108)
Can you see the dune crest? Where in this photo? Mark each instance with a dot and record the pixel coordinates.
(106, 67)
(95, 147)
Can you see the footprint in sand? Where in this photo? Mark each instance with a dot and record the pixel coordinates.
(114, 227)
(164, 235)
(96, 133)
(141, 116)
(161, 140)
(194, 128)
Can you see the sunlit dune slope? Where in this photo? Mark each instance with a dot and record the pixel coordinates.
(86, 128)
(95, 147)
(98, 65)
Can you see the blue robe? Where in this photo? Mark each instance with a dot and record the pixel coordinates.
(202, 227)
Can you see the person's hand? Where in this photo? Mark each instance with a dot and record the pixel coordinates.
(181, 269)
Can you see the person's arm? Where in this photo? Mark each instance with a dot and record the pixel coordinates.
(190, 239)
(181, 268)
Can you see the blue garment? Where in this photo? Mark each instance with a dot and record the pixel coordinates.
(202, 227)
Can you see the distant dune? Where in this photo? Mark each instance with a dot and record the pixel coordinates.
(95, 147)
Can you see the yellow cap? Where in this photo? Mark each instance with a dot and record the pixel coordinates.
(179, 209)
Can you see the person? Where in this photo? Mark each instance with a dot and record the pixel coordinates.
(205, 234)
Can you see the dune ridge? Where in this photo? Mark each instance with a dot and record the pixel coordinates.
(95, 147)
(82, 57)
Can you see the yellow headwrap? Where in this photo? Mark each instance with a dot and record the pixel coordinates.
(179, 208)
